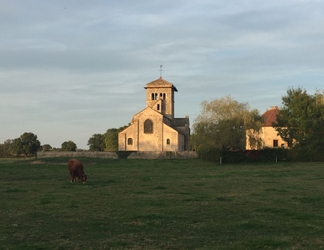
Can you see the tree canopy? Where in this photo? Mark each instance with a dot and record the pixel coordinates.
(300, 120)
(5, 149)
(69, 146)
(97, 143)
(223, 123)
(30, 144)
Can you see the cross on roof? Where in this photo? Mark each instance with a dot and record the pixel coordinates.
(161, 71)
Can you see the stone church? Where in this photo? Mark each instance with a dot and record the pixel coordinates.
(155, 128)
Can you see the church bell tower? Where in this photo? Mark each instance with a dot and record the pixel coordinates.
(160, 96)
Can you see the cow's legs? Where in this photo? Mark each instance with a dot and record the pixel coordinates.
(72, 177)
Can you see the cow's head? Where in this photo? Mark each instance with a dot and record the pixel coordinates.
(84, 178)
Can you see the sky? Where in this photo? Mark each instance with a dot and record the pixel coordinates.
(70, 69)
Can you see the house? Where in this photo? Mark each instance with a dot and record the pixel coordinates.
(155, 128)
(267, 136)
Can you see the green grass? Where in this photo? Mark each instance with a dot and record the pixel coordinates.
(167, 204)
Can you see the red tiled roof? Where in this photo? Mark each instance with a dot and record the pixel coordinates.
(270, 116)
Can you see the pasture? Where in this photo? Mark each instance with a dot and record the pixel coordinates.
(161, 204)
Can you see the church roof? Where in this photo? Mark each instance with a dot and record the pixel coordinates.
(180, 122)
(270, 116)
(160, 83)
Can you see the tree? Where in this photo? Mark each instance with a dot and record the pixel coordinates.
(223, 124)
(300, 120)
(27, 144)
(16, 147)
(96, 143)
(5, 149)
(30, 143)
(111, 138)
(69, 146)
(46, 147)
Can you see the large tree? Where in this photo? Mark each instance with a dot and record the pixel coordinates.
(96, 142)
(30, 143)
(223, 123)
(69, 146)
(300, 121)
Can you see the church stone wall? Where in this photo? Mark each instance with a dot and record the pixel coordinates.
(171, 135)
(150, 141)
(130, 132)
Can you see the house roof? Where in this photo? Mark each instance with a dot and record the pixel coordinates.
(270, 116)
(160, 83)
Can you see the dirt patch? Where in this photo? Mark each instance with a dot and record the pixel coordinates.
(38, 162)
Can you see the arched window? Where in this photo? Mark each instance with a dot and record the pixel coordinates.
(129, 141)
(148, 127)
(163, 96)
(152, 96)
(168, 141)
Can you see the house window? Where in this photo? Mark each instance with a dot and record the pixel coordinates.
(275, 143)
(152, 96)
(168, 141)
(129, 141)
(158, 107)
(163, 96)
(148, 127)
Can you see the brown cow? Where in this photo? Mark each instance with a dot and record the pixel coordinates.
(76, 170)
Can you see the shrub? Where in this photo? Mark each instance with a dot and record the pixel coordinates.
(208, 153)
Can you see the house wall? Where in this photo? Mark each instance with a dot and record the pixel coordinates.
(267, 135)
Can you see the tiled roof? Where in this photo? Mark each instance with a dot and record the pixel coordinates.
(160, 83)
(270, 116)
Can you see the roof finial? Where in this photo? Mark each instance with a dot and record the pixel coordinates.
(161, 71)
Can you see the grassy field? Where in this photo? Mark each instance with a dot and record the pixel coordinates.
(169, 204)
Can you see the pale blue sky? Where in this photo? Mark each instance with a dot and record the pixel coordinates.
(73, 68)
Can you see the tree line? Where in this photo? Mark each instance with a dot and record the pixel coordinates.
(28, 145)
(222, 126)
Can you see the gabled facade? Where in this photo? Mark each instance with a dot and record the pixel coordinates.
(268, 135)
(155, 128)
